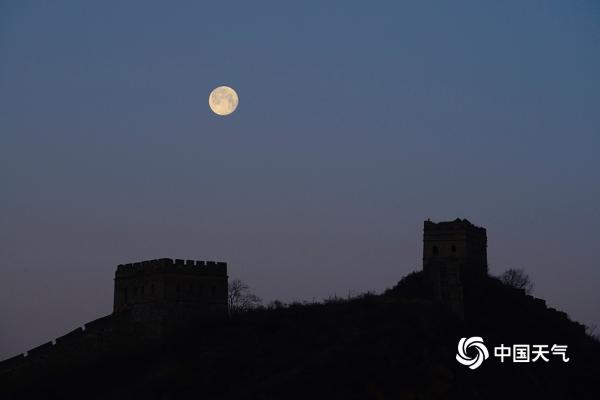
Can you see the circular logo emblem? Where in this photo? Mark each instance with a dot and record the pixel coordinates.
(477, 343)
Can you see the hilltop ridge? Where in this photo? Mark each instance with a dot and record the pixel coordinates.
(172, 335)
(399, 344)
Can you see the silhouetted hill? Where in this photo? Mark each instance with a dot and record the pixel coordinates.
(398, 345)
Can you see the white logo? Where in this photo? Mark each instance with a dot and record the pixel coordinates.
(477, 343)
(517, 353)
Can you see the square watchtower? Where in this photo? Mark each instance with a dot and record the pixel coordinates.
(457, 241)
(162, 293)
(454, 254)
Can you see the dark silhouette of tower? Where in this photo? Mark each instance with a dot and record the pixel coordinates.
(160, 294)
(454, 255)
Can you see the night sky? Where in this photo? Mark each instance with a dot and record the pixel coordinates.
(357, 121)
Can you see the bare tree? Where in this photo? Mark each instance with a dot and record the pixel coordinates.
(240, 298)
(517, 278)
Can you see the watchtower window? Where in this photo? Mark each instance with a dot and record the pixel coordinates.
(435, 250)
(453, 248)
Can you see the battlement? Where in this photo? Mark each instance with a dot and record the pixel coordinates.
(168, 265)
(457, 226)
(155, 291)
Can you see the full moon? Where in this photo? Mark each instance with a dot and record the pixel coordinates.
(223, 100)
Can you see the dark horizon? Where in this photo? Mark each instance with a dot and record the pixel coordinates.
(355, 124)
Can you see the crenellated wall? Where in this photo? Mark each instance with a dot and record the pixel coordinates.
(161, 282)
(535, 306)
(167, 265)
(76, 344)
(164, 293)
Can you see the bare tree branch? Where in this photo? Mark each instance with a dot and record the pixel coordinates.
(240, 298)
(517, 278)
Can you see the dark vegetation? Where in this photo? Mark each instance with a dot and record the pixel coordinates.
(397, 345)
(240, 298)
(518, 279)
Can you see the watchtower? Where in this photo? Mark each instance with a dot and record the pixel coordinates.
(454, 254)
(162, 293)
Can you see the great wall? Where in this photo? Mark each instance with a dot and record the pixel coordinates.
(153, 297)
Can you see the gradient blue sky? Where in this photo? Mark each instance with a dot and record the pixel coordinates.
(357, 121)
